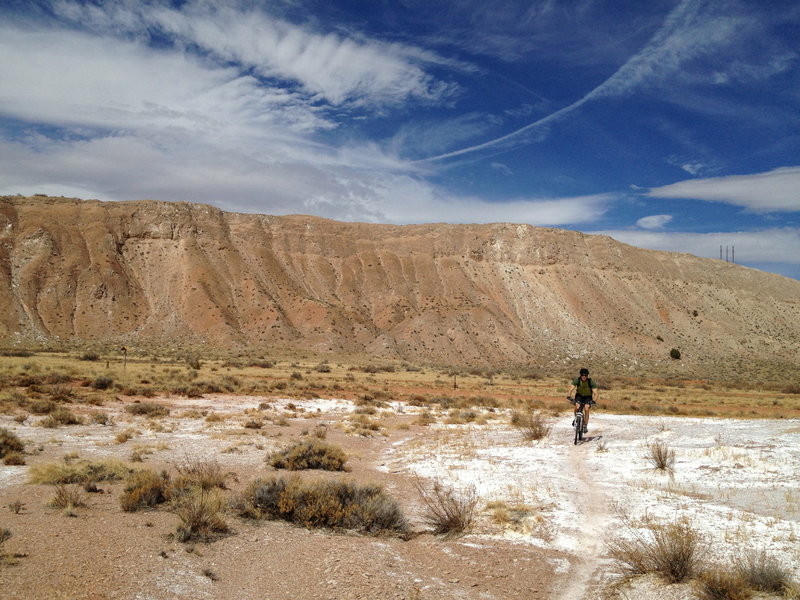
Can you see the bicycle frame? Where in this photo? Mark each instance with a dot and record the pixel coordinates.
(579, 424)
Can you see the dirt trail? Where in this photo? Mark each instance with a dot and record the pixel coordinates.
(591, 503)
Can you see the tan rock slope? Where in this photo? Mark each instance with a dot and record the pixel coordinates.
(177, 274)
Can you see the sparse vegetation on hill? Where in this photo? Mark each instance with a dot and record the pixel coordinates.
(468, 296)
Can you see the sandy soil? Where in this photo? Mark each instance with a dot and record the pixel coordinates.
(734, 480)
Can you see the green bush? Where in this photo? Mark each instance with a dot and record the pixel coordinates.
(336, 504)
(310, 453)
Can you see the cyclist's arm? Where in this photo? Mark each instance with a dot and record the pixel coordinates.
(572, 391)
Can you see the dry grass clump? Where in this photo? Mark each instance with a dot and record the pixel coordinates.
(148, 409)
(145, 489)
(14, 458)
(202, 515)
(60, 416)
(720, 584)
(195, 472)
(335, 504)
(425, 418)
(9, 443)
(449, 512)
(764, 573)
(363, 425)
(311, 453)
(67, 497)
(533, 425)
(672, 551)
(81, 471)
(661, 456)
(751, 572)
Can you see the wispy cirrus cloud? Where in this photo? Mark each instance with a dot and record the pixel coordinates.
(336, 69)
(774, 191)
(689, 31)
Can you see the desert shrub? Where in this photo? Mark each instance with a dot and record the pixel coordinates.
(67, 497)
(101, 418)
(532, 425)
(661, 456)
(717, 584)
(195, 472)
(102, 383)
(60, 392)
(60, 416)
(14, 458)
(90, 356)
(5, 535)
(448, 511)
(671, 551)
(79, 471)
(336, 504)
(363, 425)
(310, 453)
(675, 354)
(763, 572)
(144, 489)
(149, 409)
(425, 418)
(193, 362)
(202, 515)
(9, 442)
(42, 406)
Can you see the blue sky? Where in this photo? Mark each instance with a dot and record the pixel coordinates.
(672, 125)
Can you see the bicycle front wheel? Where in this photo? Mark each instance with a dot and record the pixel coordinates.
(578, 427)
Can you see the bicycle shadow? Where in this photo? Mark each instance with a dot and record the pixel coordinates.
(590, 438)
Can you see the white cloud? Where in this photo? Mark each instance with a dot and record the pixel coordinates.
(777, 190)
(326, 66)
(780, 245)
(333, 185)
(654, 221)
(72, 79)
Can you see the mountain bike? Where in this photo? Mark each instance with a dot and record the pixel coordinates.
(577, 423)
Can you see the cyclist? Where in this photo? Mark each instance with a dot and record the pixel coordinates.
(583, 390)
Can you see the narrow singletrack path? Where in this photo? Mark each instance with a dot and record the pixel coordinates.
(591, 507)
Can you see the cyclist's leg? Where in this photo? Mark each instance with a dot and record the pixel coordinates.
(586, 416)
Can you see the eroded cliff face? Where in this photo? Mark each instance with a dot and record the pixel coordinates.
(176, 273)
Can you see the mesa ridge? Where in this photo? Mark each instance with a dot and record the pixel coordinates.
(160, 273)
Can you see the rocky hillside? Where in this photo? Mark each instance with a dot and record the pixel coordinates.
(177, 274)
